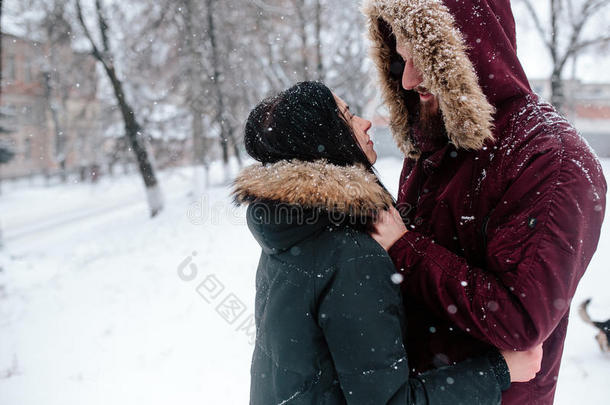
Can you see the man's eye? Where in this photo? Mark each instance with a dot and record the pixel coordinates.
(396, 68)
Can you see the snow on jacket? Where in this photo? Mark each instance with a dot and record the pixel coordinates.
(505, 212)
(329, 320)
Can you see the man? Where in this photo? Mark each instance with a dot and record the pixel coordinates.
(501, 200)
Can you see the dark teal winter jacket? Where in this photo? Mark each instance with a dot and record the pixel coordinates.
(329, 313)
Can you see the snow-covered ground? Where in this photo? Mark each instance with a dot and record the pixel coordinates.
(99, 304)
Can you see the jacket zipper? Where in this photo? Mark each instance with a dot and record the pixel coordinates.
(484, 229)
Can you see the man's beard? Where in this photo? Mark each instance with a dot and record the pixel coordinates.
(431, 124)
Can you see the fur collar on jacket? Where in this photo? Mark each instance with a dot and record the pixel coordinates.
(438, 48)
(350, 190)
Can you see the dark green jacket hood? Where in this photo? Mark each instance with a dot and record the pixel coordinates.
(279, 228)
(293, 200)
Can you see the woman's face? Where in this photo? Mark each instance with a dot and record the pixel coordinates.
(360, 126)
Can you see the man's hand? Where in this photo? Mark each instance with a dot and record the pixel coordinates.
(388, 228)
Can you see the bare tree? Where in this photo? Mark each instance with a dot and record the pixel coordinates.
(133, 129)
(6, 154)
(564, 35)
(183, 74)
(57, 36)
(201, 75)
(195, 97)
(69, 87)
(302, 20)
(0, 45)
(226, 132)
(211, 61)
(327, 45)
(318, 40)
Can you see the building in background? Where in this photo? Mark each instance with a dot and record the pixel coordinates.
(56, 125)
(52, 112)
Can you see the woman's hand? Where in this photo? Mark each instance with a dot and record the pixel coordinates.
(523, 366)
(388, 228)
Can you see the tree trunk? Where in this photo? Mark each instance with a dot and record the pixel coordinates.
(59, 135)
(132, 127)
(570, 99)
(320, 66)
(566, 22)
(557, 93)
(134, 135)
(0, 100)
(1, 47)
(225, 160)
(200, 164)
(300, 10)
(195, 99)
(226, 134)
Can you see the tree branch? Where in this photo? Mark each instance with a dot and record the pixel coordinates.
(95, 50)
(272, 9)
(595, 41)
(555, 11)
(537, 23)
(589, 8)
(103, 25)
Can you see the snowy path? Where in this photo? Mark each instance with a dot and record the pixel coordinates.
(48, 224)
(92, 310)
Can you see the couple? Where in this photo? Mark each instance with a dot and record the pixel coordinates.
(446, 295)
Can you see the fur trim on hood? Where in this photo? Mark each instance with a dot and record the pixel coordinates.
(439, 51)
(350, 190)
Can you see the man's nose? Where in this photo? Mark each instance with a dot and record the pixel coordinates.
(411, 78)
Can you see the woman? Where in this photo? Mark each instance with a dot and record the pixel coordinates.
(329, 314)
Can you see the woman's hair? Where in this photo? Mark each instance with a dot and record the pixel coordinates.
(303, 123)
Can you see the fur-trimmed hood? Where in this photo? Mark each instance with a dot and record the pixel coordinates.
(466, 51)
(291, 201)
(349, 190)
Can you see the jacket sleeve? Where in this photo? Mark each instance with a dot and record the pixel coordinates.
(540, 239)
(361, 315)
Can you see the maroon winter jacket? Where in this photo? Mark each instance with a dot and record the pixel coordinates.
(504, 211)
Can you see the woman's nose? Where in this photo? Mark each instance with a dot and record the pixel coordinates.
(367, 125)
